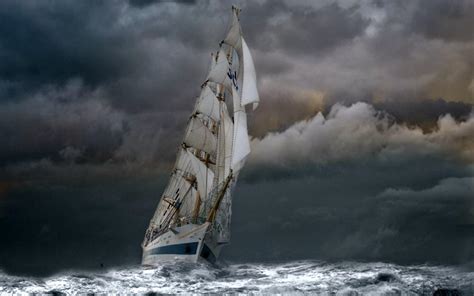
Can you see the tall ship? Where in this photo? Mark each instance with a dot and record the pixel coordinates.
(192, 220)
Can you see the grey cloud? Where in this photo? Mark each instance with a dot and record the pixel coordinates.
(386, 58)
(76, 124)
(348, 212)
(423, 113)
(46, 42)
(369, 68)
(70, 154)
(74, 216)
(359, 131)
(448, 20)
(301, 30)
(53, 119)
(136, 59)
(145, 3)
(148, 58)
(151, 139)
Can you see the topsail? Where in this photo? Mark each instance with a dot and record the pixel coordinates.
(249, 89)
(193, 215)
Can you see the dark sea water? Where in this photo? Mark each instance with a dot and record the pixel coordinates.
(293, 278)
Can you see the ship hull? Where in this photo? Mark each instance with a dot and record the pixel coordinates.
(188, 243)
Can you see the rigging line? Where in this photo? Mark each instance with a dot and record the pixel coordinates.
(212, 214)
(176, 207)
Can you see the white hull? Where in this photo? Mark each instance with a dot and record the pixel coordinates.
(188, 243)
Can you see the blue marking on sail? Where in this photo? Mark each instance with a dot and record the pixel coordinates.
(233, 77)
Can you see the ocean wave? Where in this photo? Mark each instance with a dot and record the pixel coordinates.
(302, 277)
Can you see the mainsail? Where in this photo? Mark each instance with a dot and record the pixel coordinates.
(215, 145)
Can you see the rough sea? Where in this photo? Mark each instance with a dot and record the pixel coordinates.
(293, 278)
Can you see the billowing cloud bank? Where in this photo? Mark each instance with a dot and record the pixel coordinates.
(359, 132)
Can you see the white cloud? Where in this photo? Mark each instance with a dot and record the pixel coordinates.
(360, 131)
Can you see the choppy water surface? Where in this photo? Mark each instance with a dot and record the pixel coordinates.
(303, 277)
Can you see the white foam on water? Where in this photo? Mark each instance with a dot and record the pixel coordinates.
(296, 278)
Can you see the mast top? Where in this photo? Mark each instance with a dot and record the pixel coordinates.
(236, 9)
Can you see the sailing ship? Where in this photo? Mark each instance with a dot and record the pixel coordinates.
(192, 220)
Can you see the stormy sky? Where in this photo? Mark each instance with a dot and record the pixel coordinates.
(362, 147)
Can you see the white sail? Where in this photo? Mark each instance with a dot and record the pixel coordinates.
(200, 137)
(234, 34)
(187, 207)
(177, 187)
(241, 146)
(180, 192)
(226, 129)
(175, 192)
(249, 87)
(213, 61)
(208, 103)
(204, 176)
(182, 162)
(236, 101)
(218, 73)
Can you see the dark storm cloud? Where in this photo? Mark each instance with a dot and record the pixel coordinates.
(84, 75)
(448, 20)
(144, 3)
(75, 217)
(58, 121)
(423, 113)
(108, 45)
(285, 26)
(346, 211)
(43, 125)
(50, 42)
(387, 56)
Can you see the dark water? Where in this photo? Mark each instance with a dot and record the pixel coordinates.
(302, 277)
